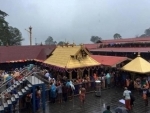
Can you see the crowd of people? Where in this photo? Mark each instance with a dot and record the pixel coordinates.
(139, 83)
(61, 89)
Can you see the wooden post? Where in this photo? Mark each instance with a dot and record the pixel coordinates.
(70, 75)
(82, 73)
(88, 72)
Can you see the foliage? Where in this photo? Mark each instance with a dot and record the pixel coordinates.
(8, 34)
(95, 39)
(15, 36)
(50, 41)
(117, 36)
(11, 36)
(61, 43)
(146, 33)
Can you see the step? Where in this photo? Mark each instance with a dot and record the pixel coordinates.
(29, 85)
(11, 88)
(23, 79)
(1, 108)
(20, 81)
(9, 102)
(23, 90)
(13, 99)
(8, 90)
(5, 105)
(15, 86)
(26, 88)
(17, 83)
(16, 96)
(20, 93)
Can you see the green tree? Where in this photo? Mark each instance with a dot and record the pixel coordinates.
(8, 35)
(143, 35)
(95, 39)
(61, 43)
(117, 36)
(2, 19)
(147, 32)
(50, 41)
(15, 36)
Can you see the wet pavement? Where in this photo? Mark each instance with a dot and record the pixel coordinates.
(95, 104)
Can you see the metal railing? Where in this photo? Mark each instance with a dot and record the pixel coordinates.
(24, 77)
(8, 81)
(27, 73)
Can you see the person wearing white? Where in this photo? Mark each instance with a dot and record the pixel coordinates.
(127, 97)
(47, 74)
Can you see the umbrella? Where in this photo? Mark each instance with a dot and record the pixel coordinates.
(121, 110)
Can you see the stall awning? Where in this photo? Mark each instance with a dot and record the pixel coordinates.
(138, 65)
(109, 60)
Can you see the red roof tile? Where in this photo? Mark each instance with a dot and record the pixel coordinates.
(109, 60)
(12, 53)
(125, 49)
(91, 46)
(127, 40)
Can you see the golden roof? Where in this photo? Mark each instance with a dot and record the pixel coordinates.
(138, 65)
(71, 56)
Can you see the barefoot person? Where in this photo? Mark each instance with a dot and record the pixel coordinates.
(127, 97)
(82, 92)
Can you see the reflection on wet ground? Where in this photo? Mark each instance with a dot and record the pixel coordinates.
(95, 104)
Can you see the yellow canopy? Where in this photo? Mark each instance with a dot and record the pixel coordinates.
(71, 57)
(138, 65)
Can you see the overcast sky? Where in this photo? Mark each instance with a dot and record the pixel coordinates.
(77, 20)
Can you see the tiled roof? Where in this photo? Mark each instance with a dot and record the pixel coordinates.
(121, 49)
(127, 40)
(65, 57)
(91, 46)
(109, 60)
(14, 53)
(138, 65)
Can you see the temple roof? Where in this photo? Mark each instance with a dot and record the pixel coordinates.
(70, 57)
(138, 65)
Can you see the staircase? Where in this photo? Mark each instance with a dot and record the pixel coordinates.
(3, 85)
(21, 86)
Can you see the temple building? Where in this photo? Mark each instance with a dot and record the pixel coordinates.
(128, 47)
(71, 58)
